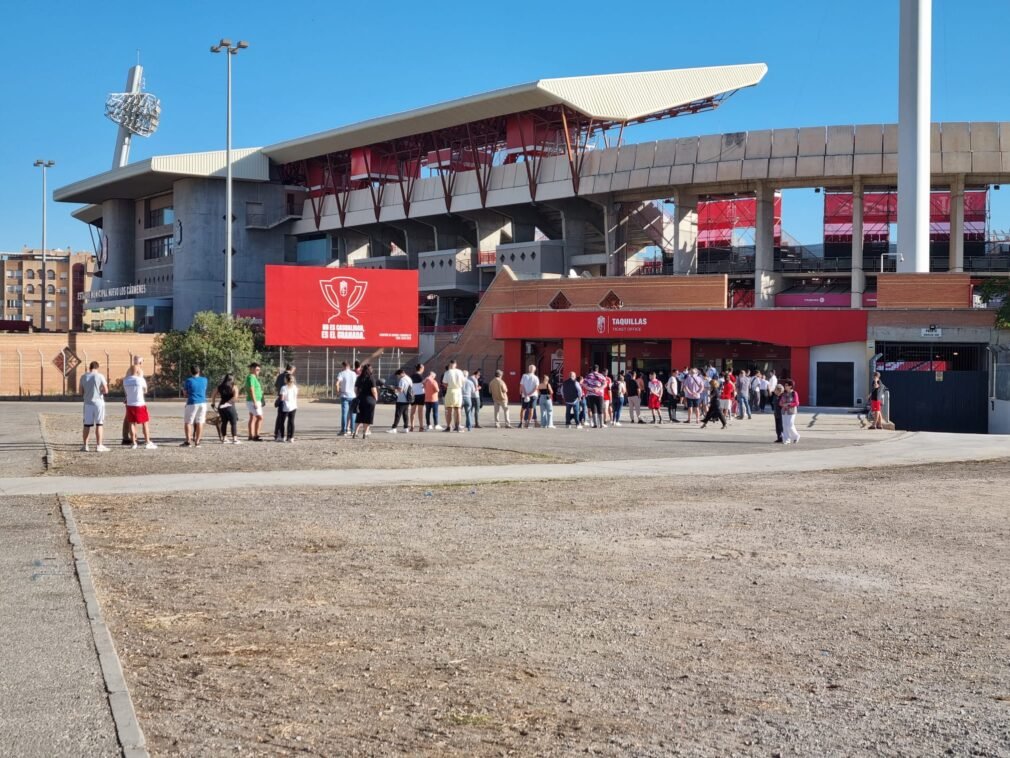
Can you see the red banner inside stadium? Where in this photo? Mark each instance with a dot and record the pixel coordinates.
(717, 219)
(880, 209)
(315, 306)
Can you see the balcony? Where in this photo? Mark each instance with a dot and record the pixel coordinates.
(448, 272)
(532, 259)
(395, 262)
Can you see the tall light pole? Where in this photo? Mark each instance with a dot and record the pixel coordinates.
(914, 75)
(44, 165)
(229, 49)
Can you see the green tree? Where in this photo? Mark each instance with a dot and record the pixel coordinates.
(215, 342)
(997, 292)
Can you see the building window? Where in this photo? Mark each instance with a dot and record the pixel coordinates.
(10, 274)
(51, 290)
(63, 275)
(13, 303)
(49, 317)
(30, 289)
(157, 247)
(31, 274)
(63, 290)
(160, 217)
(50, 274)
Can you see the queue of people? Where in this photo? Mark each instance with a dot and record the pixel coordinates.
(596, 400)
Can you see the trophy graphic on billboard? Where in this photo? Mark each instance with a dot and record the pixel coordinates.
(601, 324)
(344, 294)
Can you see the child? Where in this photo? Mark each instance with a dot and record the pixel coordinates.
(655, 398)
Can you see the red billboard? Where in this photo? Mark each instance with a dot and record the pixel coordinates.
(315, 306)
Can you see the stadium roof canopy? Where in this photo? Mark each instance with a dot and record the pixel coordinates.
(606, 99)
(157, 173)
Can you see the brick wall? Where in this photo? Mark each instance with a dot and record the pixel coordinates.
(924, 290)
(32, 373)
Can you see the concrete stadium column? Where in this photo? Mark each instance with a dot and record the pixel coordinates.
(914, 72)
(118, 224)
(766, 281)
(452, 232)
(858, 275)
(572, 349)
(352, 246)
(799, 372)
(490, 226)
(680, 353)
(512, 366)
(419, 238)
(685, 233)
(957, 223)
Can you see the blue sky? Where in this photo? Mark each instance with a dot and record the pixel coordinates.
(317, 65)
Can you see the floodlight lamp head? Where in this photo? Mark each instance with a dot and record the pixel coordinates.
(137, 112)
(225, 43)
(242, 44)
(215, 48)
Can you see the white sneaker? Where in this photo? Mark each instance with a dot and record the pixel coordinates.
(236, 441)
(150, 446)
(85, 449)
(101, 449)
(551, 426)
(438, 428)
(133, 446)
(390, 431)
(617, 423)
(226, 441)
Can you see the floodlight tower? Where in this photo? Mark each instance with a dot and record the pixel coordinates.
(225, 46)
(135, 111)
(914, 74)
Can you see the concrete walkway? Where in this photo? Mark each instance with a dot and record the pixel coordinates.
(914, 448)
(52, 693)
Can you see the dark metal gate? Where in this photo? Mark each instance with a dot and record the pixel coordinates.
(936, 387)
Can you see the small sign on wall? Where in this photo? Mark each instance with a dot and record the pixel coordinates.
(933, 331)
(939, 376)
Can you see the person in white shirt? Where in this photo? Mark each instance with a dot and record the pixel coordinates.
(529, 392)
(345, 390)
(672, 399)
(453, 380)
(94, 387)
(136, 407)
(773, 382)
(288, 395)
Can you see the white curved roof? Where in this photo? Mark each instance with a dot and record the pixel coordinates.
(607, 97)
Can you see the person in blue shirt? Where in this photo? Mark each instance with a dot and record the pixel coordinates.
(195, 414)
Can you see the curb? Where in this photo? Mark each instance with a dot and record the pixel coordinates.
(131, 738)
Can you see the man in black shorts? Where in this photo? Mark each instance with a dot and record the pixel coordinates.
(417, 407)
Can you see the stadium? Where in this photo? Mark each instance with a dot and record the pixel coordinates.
(542, 233)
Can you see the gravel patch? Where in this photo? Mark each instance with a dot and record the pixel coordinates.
(839, 613)
(312, 451)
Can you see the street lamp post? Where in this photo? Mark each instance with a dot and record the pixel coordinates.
(44, 165)
(226, 46)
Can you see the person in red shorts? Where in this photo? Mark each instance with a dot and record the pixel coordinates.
(136, 407)
(876, 406)
(655, 388)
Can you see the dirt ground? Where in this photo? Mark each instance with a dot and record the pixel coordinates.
(313, 451)
(844, 613)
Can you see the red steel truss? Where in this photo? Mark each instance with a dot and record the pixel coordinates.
(527, 137)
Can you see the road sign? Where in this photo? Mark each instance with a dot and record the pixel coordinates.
(66, 361)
